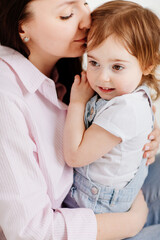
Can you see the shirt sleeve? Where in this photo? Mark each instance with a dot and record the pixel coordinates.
(25, 208)
(119, 118)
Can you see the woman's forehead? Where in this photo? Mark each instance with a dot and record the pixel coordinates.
(53, 4)
(64, 3)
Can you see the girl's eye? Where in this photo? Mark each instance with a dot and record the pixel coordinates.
(66, 17)
(94, 63)
(117, 67)
(86, 3)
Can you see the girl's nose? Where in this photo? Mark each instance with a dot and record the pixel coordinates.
(104, 76)
(85, 22)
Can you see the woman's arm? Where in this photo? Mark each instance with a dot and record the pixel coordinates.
(116, 226)
(25, 206)
(29, 207)
(26, 210)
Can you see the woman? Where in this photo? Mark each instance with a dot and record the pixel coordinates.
(34, 179)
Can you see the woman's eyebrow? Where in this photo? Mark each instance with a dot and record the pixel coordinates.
(69, 2)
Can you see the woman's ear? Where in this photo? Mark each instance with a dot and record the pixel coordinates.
(148, 70)
(23, 33)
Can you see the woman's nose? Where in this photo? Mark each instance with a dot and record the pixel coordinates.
(85, 22)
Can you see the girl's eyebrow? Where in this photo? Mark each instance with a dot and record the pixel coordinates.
(90, 56)
(111, 60)
(119, 60)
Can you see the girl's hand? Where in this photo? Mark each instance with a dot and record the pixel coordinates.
(152, 147)
(81, 90)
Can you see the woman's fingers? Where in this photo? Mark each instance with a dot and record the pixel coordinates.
(150, 155)
(155, 134)
(150, 161)
(152, 147)
(154, 109)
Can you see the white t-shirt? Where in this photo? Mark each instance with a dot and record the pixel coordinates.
(130, 118)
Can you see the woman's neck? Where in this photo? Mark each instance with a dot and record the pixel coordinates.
(45, 65)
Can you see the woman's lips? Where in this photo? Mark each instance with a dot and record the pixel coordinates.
(82, 40)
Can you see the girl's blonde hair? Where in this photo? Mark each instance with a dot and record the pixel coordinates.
(136, 27)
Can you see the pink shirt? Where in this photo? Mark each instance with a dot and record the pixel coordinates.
(34, 178)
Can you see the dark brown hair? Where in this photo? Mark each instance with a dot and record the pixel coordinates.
(12, 14)
(136, 27)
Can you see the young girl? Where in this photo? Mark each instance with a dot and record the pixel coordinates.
(123, 53)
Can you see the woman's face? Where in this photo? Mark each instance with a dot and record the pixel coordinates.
(57, 29)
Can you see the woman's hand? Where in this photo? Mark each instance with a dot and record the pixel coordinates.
(152, 147)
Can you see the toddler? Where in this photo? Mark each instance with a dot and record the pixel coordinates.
(110, 115)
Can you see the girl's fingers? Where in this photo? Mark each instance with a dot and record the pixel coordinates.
(77, 79)
(83, 76)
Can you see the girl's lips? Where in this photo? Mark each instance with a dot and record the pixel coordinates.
(106, 90)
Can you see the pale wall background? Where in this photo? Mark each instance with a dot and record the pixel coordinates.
(154, 6)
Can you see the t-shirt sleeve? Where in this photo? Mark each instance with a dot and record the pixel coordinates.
(119, 118)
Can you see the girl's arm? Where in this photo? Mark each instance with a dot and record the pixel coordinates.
(81, 146)
(75, 130)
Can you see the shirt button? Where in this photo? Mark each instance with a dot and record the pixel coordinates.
(94, 190)
(91, 111)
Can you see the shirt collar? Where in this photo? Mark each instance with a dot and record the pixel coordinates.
(32, 78)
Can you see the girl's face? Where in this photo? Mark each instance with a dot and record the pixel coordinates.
(112, 71)
(57, 29)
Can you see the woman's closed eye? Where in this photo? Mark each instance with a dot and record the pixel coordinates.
(66, 17)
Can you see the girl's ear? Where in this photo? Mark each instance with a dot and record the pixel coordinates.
(148, 70)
